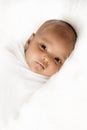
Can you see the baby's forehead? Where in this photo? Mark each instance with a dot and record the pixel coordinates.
(57, 27)
(60, 28)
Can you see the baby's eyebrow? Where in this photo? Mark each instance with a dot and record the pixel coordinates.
(41, 39)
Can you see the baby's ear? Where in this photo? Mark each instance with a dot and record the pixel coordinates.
(30, 38)
(26, 46)
(28, 41)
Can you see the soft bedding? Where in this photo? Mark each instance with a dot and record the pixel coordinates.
(62, 102)
(17, 82)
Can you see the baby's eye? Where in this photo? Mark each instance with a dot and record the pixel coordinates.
(57, 60)
(43, 47)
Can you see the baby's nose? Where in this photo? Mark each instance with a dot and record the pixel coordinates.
(45, 60)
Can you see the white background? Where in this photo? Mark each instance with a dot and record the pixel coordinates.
(62, 104)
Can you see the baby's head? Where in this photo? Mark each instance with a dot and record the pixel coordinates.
(48, 48)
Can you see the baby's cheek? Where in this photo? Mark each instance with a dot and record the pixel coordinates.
(54, 68)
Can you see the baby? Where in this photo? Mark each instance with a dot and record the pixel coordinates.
(48, 48)
(24, 68)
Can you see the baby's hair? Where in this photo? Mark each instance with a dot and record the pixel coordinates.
(59, 23)
(73, 29)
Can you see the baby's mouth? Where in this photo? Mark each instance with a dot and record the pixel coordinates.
(40, 65)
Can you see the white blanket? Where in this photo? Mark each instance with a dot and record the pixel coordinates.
(17, 82)
(62, 102)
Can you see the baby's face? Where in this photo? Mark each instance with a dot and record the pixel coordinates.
(45, 54)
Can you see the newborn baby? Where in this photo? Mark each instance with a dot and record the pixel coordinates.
(48, 48)
(25, 68)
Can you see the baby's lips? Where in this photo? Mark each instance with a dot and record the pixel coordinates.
(41, 64)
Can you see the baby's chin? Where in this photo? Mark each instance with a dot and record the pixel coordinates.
(39, 70)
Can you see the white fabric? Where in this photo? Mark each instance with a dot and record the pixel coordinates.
(17, 82)
(62, 103)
